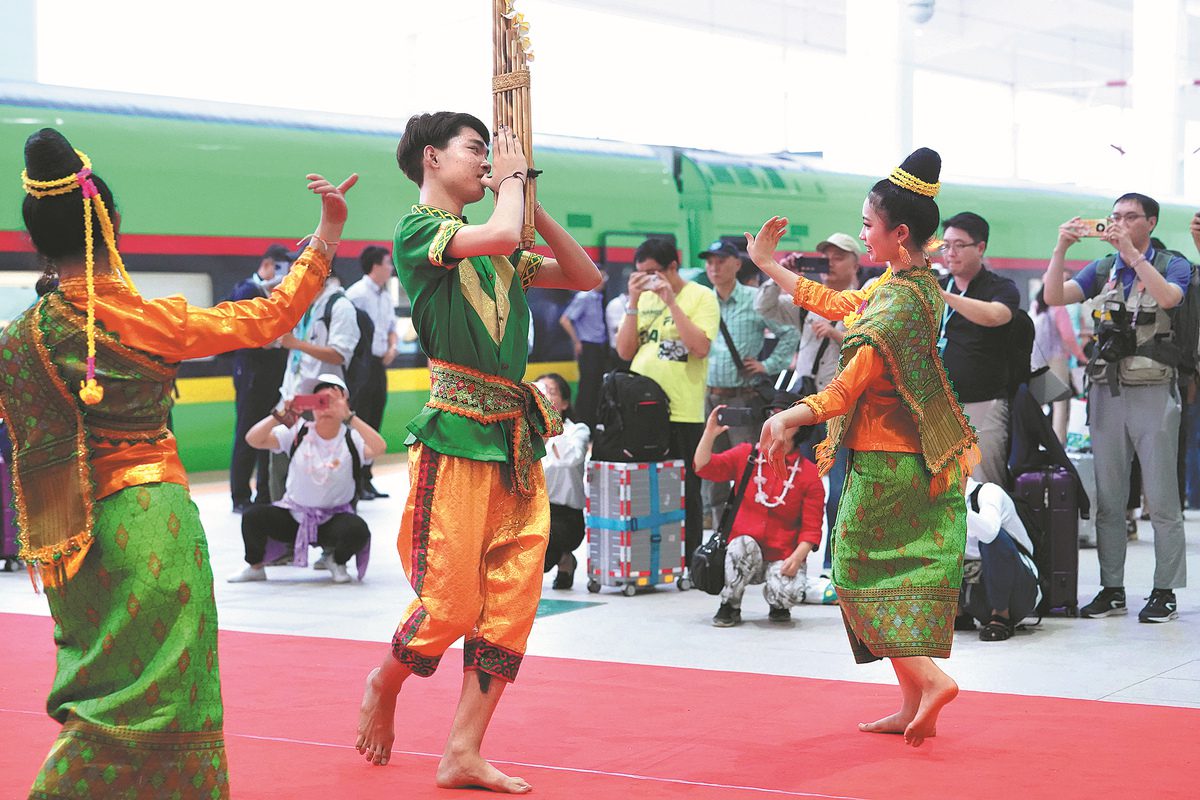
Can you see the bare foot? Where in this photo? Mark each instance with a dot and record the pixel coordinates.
(933, 699)
(376, 719)
(461, 771)
(896, 723)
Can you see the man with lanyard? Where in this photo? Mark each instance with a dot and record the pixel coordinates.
(1133, 403)
(973, 339)
(732, 362)
(257, 373)
(816, 360)
(370, 294)
(477, 518)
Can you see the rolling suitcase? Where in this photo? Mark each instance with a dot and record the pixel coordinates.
(1051, 494)
(634, 518)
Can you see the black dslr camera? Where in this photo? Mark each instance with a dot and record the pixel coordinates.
(1115, 337)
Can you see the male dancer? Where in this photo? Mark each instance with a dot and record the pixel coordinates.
(477, 519)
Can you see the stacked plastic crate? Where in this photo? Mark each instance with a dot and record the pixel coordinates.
(634, 520)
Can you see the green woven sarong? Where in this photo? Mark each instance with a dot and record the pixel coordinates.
(137, 685)
(897, 563)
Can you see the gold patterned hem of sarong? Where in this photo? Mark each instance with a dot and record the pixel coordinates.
(491, 399)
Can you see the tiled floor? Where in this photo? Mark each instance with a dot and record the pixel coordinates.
(1114, 659)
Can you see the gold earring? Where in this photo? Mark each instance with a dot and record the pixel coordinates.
(904, 259)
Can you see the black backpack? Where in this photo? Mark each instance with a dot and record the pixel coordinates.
(1020, 335)
(633, 419)
(359, 367)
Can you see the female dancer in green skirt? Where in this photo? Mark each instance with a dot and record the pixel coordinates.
(901, 524)
(106, 521)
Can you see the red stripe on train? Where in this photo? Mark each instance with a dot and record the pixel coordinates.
(255, 246)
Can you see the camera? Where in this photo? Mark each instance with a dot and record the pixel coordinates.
(1115, 337)
(735, 416)
(1094, 228)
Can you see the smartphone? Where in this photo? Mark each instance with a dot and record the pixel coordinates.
(310, 402)
(734, 416)
(811, 265)
(1094, 228)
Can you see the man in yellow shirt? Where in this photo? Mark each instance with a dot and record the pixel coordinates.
(667, 331)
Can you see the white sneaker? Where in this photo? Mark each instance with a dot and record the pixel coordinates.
(338, 572)
(250, 573)
(324, 561)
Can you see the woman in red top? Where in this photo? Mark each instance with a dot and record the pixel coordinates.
(777, 525)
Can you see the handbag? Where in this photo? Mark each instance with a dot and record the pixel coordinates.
(1047, 388)
(808, 383)
(708, 561)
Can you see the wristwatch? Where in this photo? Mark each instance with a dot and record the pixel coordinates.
(631, 309)
(350, 418)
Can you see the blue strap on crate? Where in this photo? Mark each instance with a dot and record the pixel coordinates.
(651, 521)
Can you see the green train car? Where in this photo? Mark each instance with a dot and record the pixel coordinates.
(203, 188)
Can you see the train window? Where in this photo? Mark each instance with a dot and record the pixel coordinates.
(774, 179)
(721, 174)
(196, 287)
(746, 177)
(16, 294)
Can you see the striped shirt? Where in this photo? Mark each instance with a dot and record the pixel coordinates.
(747, 327)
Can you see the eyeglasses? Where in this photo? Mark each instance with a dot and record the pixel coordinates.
(1127, 217)
(954, 247)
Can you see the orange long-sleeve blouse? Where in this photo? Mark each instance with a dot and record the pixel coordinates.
(172, 330)
(882, 422)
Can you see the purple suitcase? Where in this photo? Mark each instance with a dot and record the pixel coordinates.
(8, 513)
(1051, 493)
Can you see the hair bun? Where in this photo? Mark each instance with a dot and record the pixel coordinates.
(925, 164)
(48, 156)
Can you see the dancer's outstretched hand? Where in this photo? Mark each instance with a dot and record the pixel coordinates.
(334, 210)
(761, 248)
(773, 443)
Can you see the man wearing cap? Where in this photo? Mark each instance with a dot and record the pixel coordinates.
(317, 505)
(816, 359)
(974, 339)
(257, 373)
(733, 365)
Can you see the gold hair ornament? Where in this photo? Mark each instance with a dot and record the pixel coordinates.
(90, 391)
(906, 180)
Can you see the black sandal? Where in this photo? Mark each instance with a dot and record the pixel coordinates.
(997, 629)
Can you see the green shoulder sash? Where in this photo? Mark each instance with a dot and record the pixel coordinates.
(900, 322)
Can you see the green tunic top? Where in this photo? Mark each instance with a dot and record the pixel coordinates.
(472, 313)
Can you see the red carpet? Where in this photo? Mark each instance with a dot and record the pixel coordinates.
(581, 730)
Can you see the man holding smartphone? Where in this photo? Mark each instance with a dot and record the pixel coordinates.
(327, 455)
(1134, 403)
(668, 331)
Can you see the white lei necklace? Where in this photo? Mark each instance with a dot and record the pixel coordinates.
(320, 462)
(760, 496)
